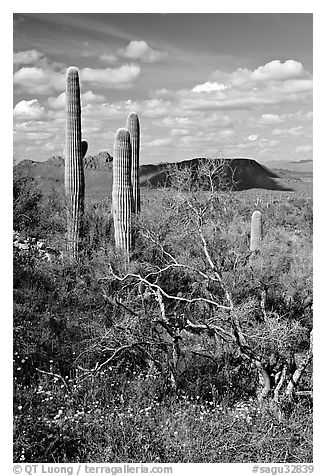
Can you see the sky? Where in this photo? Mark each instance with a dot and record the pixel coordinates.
(203, 85)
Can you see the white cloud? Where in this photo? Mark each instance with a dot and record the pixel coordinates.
(32, 109)
(38, 80)
(155, 108)
(270, 119)
(273, 78)
(196, 119)
(293, 131)
(31, 126)
(38, 135)
(276, 70)
(226, 134)
(119, 78)
(209, 87)
(273, 143)
(90, 97)
(303, 148)
(140, 50)
(253, 137)
(299, 115)
(58, 102)
(179, 132)
(293, 86)
(159, 142)
(174, 122)
(27, 57)
(163, 92)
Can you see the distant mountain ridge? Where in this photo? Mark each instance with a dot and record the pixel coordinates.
(101, 160)
(303, 161)
(247, 173)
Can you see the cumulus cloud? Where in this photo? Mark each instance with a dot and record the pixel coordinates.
(58, 102)
(226, 134)
(209, 87)
(299, 115)
(269, 119)
(119, 78)
(32, 126)
(286, 77)
(304, 148)
(38, 80)
(226, 102)
(140, 50)
(278, 71)
(273, 143)
(27, 57)
(160, 142)
(174, 122)
(292, 131)
(32, 109)
(89, 97)
(155, 108)
(179, 132)
(194, 120)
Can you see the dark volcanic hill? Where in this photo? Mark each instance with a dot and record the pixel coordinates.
(247, 173)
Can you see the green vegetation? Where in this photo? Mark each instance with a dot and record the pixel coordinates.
(185, 354)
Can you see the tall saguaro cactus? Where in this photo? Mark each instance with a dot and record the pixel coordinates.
(256, 231)
(134, 130)
(122, 199)
(75, 150)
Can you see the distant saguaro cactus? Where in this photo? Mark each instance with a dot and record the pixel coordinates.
(122, 199)
(75, 149)
(256, 231)
(134, 130)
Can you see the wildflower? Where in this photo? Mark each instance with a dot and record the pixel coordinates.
(20, 407)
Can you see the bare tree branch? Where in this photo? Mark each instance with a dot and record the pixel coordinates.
(54, 375)
(165, 294)
(301, 368)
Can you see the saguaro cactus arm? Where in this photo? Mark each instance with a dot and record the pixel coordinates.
(74, 170)
(122, 200)
(134, 129)
(84, 145)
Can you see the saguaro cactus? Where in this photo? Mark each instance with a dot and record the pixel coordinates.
(134, 130)
(75, 150)
(122, 200)
(256, 231)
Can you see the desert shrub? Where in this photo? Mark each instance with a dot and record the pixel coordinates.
(36, 213)
(26, 200)
(92, 368)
